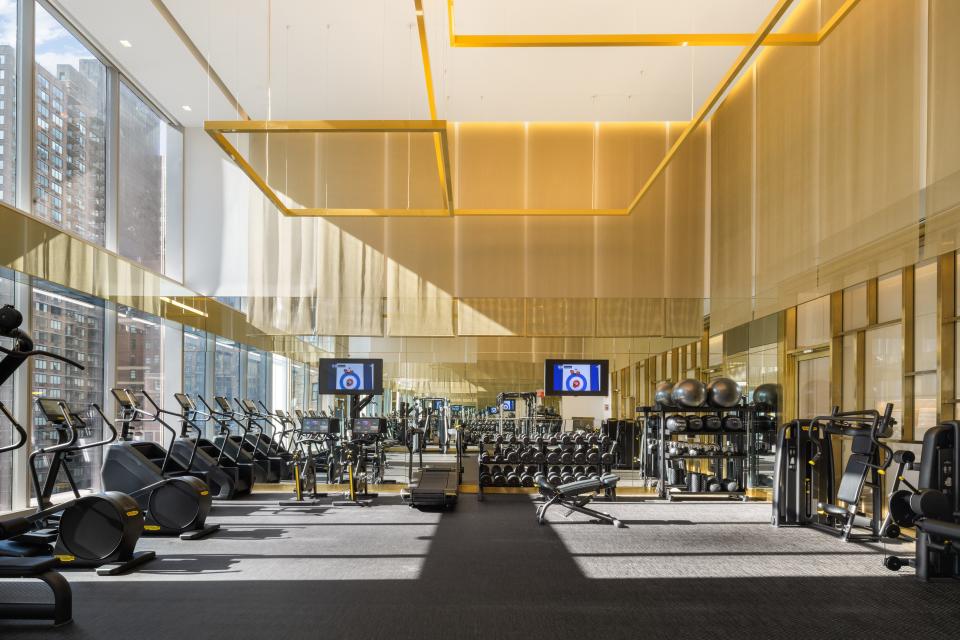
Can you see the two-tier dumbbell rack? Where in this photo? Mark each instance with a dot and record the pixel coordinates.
(495, 452)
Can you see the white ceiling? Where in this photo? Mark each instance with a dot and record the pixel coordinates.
(360, 59)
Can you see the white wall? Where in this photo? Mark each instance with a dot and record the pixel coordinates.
(583, 407)
(217, 199)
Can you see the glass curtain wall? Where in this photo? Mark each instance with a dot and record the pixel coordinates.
(70, 133)
(6, 397)
(226, 369)
(140, 363)
(150, 164)
(194, 362)
(71, 325)
(8, 105)
(258, 364)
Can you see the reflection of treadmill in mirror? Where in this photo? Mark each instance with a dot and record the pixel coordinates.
(226, 477)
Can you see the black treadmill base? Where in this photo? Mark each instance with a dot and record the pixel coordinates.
(196, 534)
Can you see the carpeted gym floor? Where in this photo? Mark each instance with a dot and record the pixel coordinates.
(714, 570)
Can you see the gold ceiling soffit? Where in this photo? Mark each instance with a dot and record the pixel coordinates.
(640, 39)
(443, 158)
(438, 128)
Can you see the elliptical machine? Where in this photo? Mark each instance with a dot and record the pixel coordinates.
(98, 530)
(175, 502)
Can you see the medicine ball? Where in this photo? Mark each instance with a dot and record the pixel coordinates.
(712, 423)
(695, 423)
(767, 396)
(662, 395)
(676, 423)
(723, 393)
(689, 393)
(732, 423)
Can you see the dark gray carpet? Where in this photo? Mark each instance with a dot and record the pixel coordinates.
(487, 570)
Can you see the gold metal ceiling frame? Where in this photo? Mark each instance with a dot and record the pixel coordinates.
(488, 40)
(217, 129)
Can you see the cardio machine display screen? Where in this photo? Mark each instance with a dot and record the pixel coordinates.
(320, 425)
(185, 401)
(576, 377)
(509, 405)
(351, 377)
(367, 426)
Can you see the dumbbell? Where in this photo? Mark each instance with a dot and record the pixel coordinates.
(694, 423)
(526, 479)
(498, 438)
(525, 441)
(593, 456)
(499, 479)
(580, 457)
(513, 456)
(539, 457)
(539, 438)
(553, 440)
(594, 439)
(553, 476)
(580, 475)
(553, 456)
(527, 454)
(578, 437)
(513, 479)
(566, 439)
(608, 458)
(566, 457)
(604, 441)
(567, 475)
(532, 470)
(485, 457)
(485, 478)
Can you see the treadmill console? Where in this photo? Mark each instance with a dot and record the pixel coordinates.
(50, 407)
(248, 407)
(312, 426)
(185, 402)
(369, 426)
(223, 404)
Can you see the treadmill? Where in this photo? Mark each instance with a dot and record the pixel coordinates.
(436, 485)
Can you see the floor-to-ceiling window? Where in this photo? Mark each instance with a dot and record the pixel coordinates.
(71, 325)
(70, 139)
(8, 103)
(140, 363)
(258, 364)
(6, 397)
(194, 362)
(226, 369)
(149, 203)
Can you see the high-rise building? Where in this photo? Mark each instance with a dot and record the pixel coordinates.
(8, 124)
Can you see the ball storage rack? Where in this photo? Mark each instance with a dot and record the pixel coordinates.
(734, 464)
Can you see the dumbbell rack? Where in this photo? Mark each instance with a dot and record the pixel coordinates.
(497, 457)
(736, 461)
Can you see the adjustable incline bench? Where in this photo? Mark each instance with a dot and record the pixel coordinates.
(576, 495)
(60, 612)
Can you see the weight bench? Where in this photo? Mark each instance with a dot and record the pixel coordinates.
(60, 611)
(576, 495)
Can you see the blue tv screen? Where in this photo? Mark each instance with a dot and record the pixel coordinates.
(576, 377)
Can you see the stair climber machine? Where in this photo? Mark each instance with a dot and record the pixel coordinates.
(204, 458)
(287, 440)
(175, 500)
(98, 530)
(266, 467)
(227, 443)
(259, 424)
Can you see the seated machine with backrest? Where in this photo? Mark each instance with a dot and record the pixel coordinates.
(575, 496)
(806, 492)
(933, 506)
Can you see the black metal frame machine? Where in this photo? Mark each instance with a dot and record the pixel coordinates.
(99, 530)
(175, 501)
(267, 468)
(433, 486)
(933, 506)
(806, 492)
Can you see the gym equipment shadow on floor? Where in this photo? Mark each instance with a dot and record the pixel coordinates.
(488, 570)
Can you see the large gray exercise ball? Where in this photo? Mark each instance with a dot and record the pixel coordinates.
(723, 393)
(662, 394)
(689, 393)
(767, 396)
